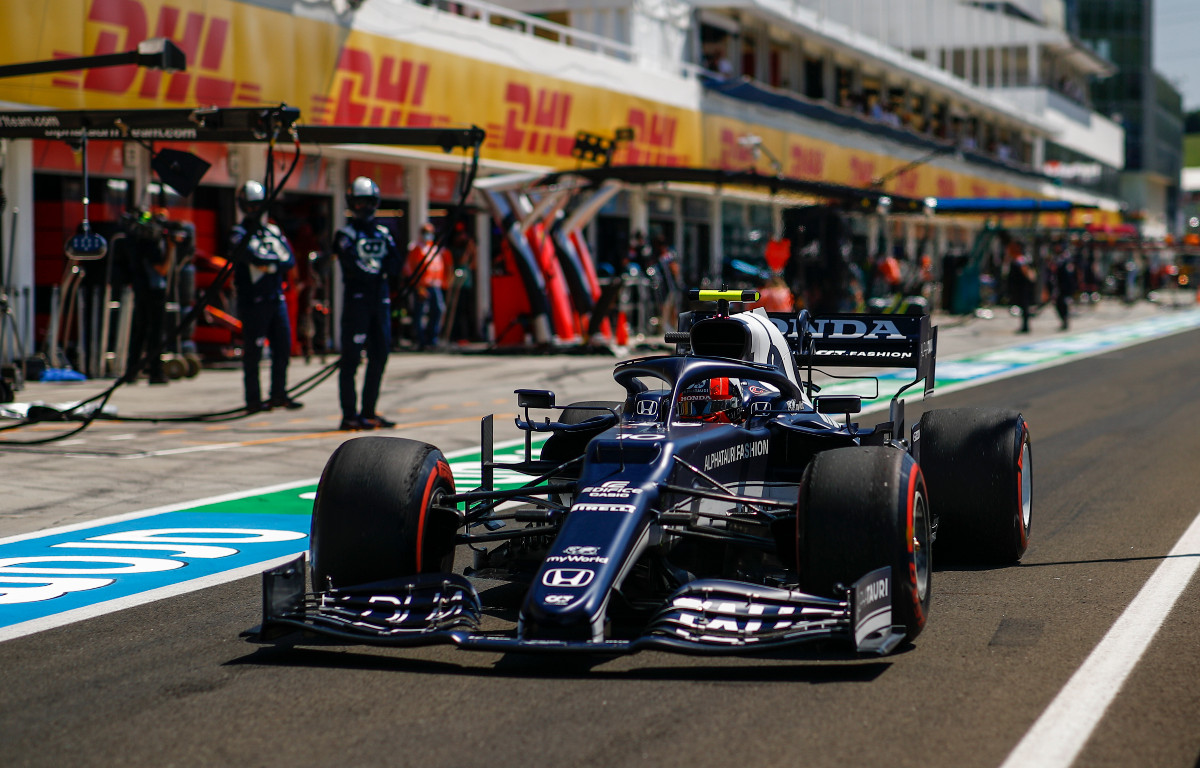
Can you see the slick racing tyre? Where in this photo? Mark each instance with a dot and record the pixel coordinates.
(979, 469)
(563, 446)
(375, 516)
(862, 509)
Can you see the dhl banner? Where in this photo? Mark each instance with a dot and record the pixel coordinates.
(243, 55)
(240, 54)
(528, 117)
(804, 157)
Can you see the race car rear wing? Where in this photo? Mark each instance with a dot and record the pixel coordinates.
(862, 341)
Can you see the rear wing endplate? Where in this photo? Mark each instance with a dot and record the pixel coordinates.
(862, 341)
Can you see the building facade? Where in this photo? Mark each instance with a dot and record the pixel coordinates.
(862, 94)
(1144, 102)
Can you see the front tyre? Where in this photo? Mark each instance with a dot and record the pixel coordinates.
(860, 509)
(979, 466)
(376, 514)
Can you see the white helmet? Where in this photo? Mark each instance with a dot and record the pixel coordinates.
(252, 197)
(363, 197)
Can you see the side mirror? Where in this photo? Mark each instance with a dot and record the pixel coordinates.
(846, 404)
(535, 398)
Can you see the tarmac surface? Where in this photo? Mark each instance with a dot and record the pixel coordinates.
(170, 683)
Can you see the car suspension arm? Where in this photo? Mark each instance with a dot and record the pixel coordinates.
(752, 501)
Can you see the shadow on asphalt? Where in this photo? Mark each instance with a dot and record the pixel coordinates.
(963, 568)
(761, 669)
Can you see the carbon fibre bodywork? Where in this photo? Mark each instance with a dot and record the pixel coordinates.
(645, 529)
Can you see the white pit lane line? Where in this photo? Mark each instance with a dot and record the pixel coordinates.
(1063, 730)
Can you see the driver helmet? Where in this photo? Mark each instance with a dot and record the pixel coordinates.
(252, 198)
(363, 197)
(714, 400)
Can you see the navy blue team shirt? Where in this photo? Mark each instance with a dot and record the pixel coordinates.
(368, 254)
(262, 259)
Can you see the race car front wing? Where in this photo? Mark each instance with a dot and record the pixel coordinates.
(708, 616)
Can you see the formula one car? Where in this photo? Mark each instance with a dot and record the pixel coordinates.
(721, 506)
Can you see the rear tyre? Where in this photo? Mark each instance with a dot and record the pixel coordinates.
(861, 509)
(979, 468)
(375, 516)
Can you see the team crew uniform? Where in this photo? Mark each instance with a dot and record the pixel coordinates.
(262, 258)
(368, 255)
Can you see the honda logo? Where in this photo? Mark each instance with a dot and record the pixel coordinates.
(647, 407)
(568, 577)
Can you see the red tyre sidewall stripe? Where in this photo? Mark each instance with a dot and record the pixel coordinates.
(433, 476)
(441, 471)
(914, 476)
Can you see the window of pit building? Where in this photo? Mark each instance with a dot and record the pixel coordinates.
(718, 40)
(814, 84)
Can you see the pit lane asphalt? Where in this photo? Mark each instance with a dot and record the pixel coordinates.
(169, 683)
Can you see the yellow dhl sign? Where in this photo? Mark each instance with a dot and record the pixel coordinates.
(350, 77)
(334, 75)
(803, 157)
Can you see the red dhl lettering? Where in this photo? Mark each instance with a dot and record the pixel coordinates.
(390, 93)
(204, 38)
(535, 122)
(906, 183)
(862, 172)
(733, 154)
(945, 186)
(653, 140)
(652, 130)
(806, 162)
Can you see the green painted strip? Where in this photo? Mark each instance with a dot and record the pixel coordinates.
(465, 465)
